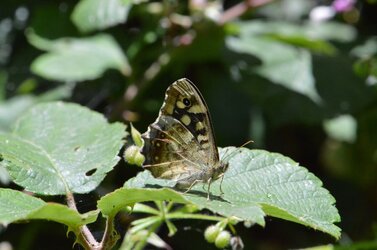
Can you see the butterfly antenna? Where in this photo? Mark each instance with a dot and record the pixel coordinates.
(248, 142)
(236, 151)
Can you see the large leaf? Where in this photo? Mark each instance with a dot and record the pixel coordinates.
(310, 31)
(90, 15)
(283, 49)
(282, 64)
(60, 147)
(282, 187)
(12, 108)
(255, 179)
(16, 206)
(78, 59)
(134, 192)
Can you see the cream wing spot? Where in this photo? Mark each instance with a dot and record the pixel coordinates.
(186, 120)
(180, 105)
(199, 126)
(202, 138)
(196, 109)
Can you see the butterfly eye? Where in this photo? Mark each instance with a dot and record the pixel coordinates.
(186, 102)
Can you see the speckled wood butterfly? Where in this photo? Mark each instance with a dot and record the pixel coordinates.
(180, 144)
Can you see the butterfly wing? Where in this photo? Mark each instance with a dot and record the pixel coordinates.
(166, 145)
(184, 103)
(180, 143)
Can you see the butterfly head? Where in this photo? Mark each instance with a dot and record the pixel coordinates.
(220, 171)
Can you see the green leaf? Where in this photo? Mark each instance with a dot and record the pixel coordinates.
(367, 50)
(78, 59)
(330, 31)
(11, 109)
(113, 202)
(90, 15)
(14, 107)
(323, 247)
(255, 179)
(282, 48)
(16, 206)
(308, 32)
(286, 9)
(126, 196)
(282, 64)
(366, 67)
(58, 147)
(342, 128)
(282, 187)
(4, 176)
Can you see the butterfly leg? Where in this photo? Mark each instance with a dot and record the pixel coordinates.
(192, 184)
(221, 182)
(209, 186)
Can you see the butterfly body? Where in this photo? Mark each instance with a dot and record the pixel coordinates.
(180, 144)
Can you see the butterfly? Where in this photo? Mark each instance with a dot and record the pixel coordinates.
(180, 144)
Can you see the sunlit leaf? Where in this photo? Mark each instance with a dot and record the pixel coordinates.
(14, 107)
(308, 31)
(90, 15)
(255, 179)
(4, 176)
(342, 128)
(16, 206)
(281, 63)
(60, 147)
(366, 50)
(78, 59)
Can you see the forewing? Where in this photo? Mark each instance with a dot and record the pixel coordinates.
(184, 103)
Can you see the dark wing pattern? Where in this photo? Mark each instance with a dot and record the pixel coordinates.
(180, 143)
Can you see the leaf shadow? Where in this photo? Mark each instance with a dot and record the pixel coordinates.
(191, 192)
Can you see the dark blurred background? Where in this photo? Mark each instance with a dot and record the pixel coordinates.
(296, 77)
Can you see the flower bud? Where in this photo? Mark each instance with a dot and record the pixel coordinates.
(223, 239)
(139, 159)
(211, 233)
(132, 155)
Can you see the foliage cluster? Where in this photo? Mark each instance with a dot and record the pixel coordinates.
(284, 73)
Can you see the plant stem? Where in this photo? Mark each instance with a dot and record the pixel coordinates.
(193, 216)
(138, 86)
(109, 238)
(141, 244)
(85, 237)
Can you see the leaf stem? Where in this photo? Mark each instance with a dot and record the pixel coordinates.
(110, 236)
(193, 216)
(84, 237)
(141, 244)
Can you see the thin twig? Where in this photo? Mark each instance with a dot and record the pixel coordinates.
(134, 88)
(109, 238)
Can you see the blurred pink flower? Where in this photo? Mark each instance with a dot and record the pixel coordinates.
(343, 5)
